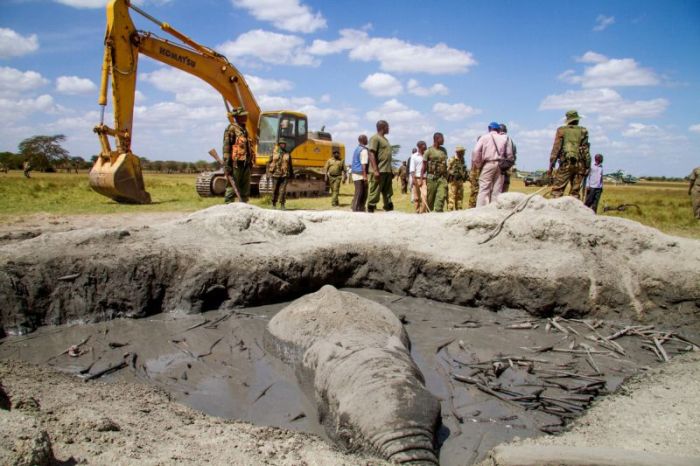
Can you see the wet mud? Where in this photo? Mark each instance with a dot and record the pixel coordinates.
(498, 375)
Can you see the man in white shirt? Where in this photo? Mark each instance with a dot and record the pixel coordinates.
(594, 184)
(420, 188)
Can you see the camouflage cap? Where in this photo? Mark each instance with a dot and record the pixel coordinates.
(572, 115)
(460, 149)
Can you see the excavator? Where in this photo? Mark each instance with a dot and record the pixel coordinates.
(117, 171)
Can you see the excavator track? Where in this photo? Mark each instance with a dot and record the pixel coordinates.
(211, 184)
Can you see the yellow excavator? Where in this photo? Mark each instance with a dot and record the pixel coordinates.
(117, 172)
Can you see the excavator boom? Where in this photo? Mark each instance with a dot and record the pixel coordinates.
(117, 172)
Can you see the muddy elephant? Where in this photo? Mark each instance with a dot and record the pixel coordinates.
(352, 356)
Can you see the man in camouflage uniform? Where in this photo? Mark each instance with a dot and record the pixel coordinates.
(26, 168)
(239, 156)
(334, 169)
(435, 170)
(474, 174)
(694, 191)
(456, 176)
(403, 177)
(380, 161)
(280, 169)
(572, 150)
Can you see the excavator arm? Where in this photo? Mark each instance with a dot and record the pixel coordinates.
(117, 172)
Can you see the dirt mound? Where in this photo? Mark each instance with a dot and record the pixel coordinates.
(124, 424)
(554, 257)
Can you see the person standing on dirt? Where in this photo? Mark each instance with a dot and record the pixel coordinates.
(239, 156)
(380, 161)
(572, 150)
(359, 170)
(280, 169)
(694, 191)
(420, 188)
(491, 149)
(594, 184)
(334, 175)
(26, 168)
(435, 171)
(403, 177)
(503, 129)
(456, 176)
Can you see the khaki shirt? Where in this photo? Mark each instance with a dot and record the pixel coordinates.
(381, 147)
(436, 161)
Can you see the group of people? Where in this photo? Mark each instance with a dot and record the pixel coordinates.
(436, 181)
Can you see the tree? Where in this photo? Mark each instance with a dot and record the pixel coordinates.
(11, 161)
(44, 151)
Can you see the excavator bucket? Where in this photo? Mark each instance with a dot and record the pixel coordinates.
(119, 177)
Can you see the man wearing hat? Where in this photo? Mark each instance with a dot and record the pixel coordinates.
(239, 156)
(572, 150)
(490, 150)
(280, 169)
(333, 170)
(456, 176)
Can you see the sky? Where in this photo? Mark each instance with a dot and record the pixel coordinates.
(630, 68)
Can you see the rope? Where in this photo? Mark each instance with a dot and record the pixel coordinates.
(516, 209)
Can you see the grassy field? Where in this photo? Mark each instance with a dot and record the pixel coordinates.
(663, 205)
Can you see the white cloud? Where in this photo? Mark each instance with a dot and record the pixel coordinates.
(610, 105)
(694, 128)
(267, 86)
(395, 54)
(289, 15)
(186, 88)
(642, 130)
(269, 47)
(592, 57)
(325, 98)
(13, 81)
(13, 44)
(602, 22)
(415, 88)
(73, 85)
(610, 72)
(394, 111)
(13, 110)
(382, 84)
(454, 112)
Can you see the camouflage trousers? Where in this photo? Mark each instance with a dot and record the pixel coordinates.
(280, 190)
(437, 194)
(474, 175)
(334, 183)
(695, 199)
(568, 174)
(241, 176)
(455, 195)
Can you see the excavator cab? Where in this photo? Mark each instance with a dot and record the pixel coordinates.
(290, 127)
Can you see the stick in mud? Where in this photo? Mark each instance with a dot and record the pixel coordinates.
(263, 393)
(106, 371)
(211, 348)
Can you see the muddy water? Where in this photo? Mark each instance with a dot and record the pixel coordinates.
(215, 362)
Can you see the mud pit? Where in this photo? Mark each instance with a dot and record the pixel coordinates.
(554, 259)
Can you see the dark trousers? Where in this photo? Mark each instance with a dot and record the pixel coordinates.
(280, 190)
(592, 198)
(360, 198)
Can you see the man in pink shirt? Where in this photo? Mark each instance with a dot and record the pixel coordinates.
(489, 149)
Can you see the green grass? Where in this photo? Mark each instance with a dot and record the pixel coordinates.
(663, 205)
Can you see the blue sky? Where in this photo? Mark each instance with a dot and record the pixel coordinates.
(631, 69)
